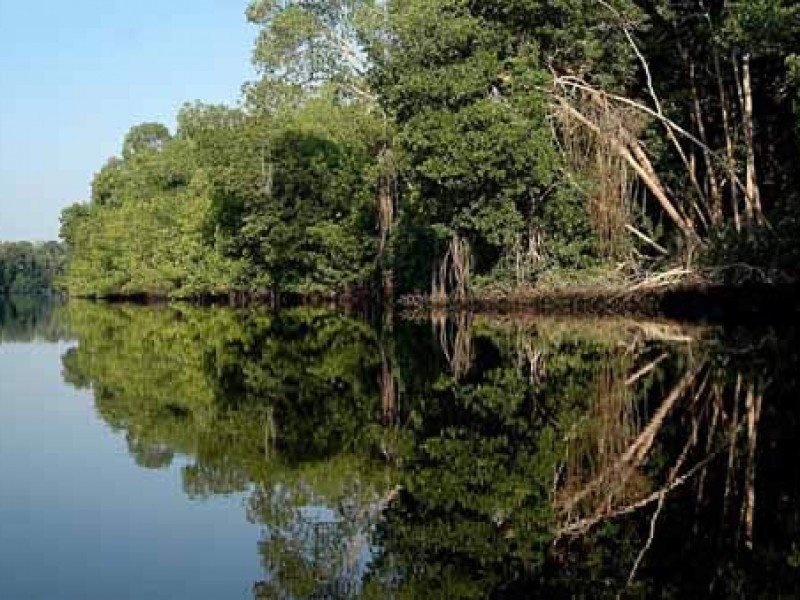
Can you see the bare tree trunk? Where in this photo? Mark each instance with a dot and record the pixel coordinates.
(753, 407)
(732, 431)
(751, 179)
(715, 204)
(387, 195)
(388, 388)
(729, 151)
(744, 88)
(460, 272)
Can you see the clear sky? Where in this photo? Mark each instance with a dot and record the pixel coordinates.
(76, 75)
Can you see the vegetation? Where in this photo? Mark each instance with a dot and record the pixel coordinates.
(480, 458)
(446, 148)
(28, 268)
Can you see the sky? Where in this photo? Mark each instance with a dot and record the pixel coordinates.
(76, 75)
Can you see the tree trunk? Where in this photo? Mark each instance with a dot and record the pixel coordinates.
(752, 193)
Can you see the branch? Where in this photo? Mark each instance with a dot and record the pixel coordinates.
(576, 82)
(644, 171)
(646, 239)
(644, 371)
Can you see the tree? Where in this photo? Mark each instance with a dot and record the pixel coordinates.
(311, 43)
(468, 87)
(147, 137)
(446, 147)
(28, 268)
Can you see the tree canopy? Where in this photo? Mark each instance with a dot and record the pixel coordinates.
(444, 147)
(31, 268)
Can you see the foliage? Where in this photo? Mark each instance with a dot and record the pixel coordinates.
(29, 268)
(435, 146)
(233, 202)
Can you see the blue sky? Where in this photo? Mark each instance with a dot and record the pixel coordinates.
(75, 75)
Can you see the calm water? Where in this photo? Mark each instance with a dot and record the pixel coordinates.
(153, 452)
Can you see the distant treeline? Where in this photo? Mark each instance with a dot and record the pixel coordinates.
(31, 268)
(444, 148)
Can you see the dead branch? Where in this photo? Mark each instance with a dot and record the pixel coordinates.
(648, 240)
(646, 369)
(633, 155)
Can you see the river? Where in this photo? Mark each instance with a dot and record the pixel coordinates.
(170, 452)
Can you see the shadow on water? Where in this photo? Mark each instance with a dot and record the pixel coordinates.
(469, 455)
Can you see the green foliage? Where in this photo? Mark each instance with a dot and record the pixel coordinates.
(32, 318)
(235, 201)
(468, 87)
(380, 134)
(145, 138)
(314, 229)
(311, 42)
(29, 268)
(277, 406)
(211, 372)
(763, 27)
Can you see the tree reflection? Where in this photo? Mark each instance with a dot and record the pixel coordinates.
(32, 318)
(284, 407)
(478, 456)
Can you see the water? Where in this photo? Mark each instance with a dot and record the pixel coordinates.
(153, 452)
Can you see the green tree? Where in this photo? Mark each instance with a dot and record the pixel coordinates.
(147, 137)
(31, 268)
(314, 43)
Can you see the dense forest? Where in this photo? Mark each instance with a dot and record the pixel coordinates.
(28, 268)
(451, 148)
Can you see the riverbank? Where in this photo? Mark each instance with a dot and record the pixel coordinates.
(750, 302)
(751, 295)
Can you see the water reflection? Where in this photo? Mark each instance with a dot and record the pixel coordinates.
(32, 318)
(468, 456)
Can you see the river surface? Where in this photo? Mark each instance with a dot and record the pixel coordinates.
(185, 452)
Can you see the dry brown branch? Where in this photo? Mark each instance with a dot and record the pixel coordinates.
(664, 279)
(650, 538)
(451, 278)
(663, 495)
(580, 84)
(648, 240)
(455, 339)
(646, 369)
(635, 157)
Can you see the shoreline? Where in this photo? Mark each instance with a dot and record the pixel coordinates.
(750, 302)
